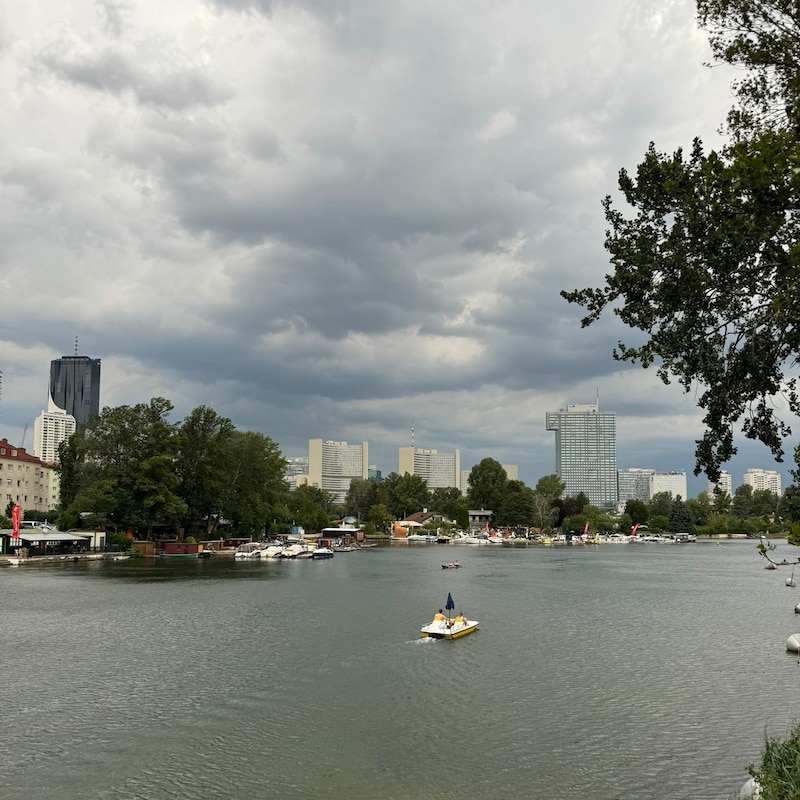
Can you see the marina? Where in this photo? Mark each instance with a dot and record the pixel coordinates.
(597, 673)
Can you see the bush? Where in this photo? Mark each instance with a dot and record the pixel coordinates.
(779, 772)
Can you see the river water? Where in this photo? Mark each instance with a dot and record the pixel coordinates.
(615, 672)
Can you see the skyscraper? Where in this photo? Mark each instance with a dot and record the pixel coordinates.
(75, 386)
(332, 465)
(438, 470)
(586, 452)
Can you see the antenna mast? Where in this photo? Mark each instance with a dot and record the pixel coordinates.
(76, 345)
(412, 435)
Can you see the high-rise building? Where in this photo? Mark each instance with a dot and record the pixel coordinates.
(586, 452)
(672, 482)
(763, 479)
(634, 484)
(332, 465)
(51, 428)
(75, 386)
(724, 485)
(438, 470)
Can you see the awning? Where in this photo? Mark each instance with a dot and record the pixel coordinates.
(53, 536)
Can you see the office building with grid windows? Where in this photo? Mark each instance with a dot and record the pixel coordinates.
(586, 452)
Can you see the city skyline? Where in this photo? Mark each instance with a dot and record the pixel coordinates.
(339, 220)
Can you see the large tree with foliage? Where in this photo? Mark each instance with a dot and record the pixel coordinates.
(409, 495)
(204, 450)
(487, 483)
(122, 468)
(679, 519)
(256, 490)
(706, 256)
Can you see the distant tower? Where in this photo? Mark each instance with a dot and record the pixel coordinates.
(75, 385)
(586, 452)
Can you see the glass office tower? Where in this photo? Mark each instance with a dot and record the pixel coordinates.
(75, 386)
(586, 452)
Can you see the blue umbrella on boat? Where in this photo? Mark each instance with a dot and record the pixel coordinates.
(449, 605)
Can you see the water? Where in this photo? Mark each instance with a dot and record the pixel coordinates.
(615, 672)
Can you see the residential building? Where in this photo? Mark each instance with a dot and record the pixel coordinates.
(586, 452)
(634, 484)
(763, 479)
(438, 470)
(75, 386)
(672, 482)
(723, 484)
(50, 429)
(24, 480)
(332, 465)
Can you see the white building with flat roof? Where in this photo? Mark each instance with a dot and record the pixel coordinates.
(763, 479)
(438, 470)
(724, 484)
(634, 484)
(51, 428)
(672, 482)
(332, 465)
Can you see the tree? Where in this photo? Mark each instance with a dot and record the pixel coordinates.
(550, 486)
(679, 520)
(487, 482)
(545, 512)
(448, 501)
(765, 503)
(256, 488)
(699, 509)
(410, 495)
(707, 265)
(516, 507)
(202, 464)
(637, 510)
(307, 506)
(124, 468)
(742, 505)
(360, 496)
(789, 505)
(660, 505)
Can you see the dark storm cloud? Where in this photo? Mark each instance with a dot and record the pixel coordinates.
(333, 218)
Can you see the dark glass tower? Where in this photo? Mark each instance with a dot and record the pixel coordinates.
(75, 386)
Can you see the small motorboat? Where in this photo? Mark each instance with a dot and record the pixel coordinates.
(322, 552)
(451, 565)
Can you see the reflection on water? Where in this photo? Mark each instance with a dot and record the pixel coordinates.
(598, 672)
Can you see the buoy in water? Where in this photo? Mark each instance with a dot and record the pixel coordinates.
(797, 609)
(750, 790)
(793, 643)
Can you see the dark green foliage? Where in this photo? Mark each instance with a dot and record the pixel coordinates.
(637, 510)
(742, 505)
(707, 265)
(487, 484)
(679, 519)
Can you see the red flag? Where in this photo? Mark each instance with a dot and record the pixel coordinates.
(586, 528)
(15, 521)
(634, 529)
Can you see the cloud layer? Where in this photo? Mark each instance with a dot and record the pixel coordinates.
(339, 219)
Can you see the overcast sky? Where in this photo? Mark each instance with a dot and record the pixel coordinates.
(341, 218)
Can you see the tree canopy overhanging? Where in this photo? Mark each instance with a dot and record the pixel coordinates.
(706, 257)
